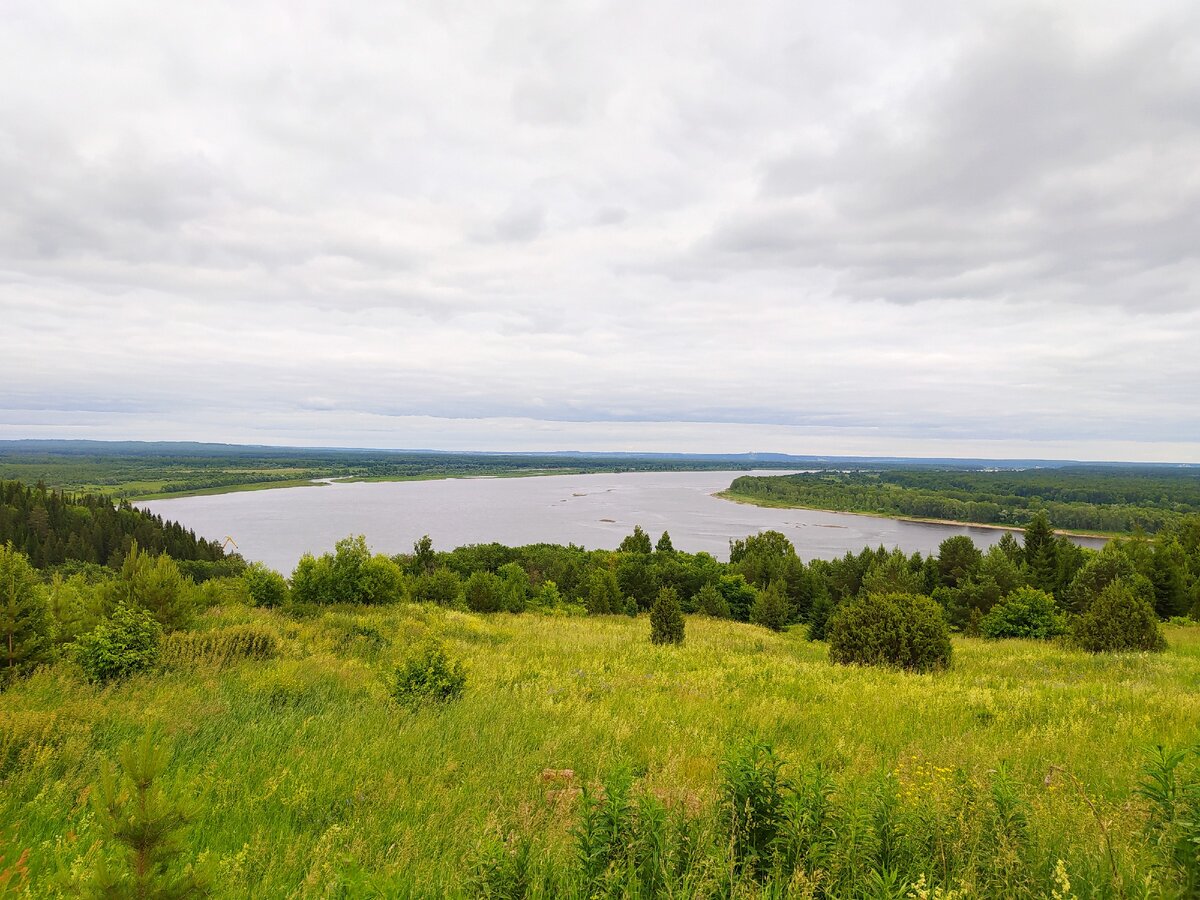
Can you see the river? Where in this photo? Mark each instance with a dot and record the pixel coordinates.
(277, 526)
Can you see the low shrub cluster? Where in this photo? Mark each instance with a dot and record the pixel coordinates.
(219, 647)
(904, 631)
(127, 642)
(428, 677)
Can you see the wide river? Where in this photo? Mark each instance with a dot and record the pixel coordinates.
(277, 526)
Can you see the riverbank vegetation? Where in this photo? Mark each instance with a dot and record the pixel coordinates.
(1107, 499)
(137, 471)
(509, 721)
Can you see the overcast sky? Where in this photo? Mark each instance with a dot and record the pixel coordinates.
(942, 228)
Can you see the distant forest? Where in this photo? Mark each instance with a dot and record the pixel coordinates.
(53, 527)
(1111, 499)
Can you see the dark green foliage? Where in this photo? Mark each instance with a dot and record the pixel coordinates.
(428, 677)
(603, 593)
(958, 560)
(1117, 620)
(638, 542)
(636, 578)
(710, 602)
(770, 608)
(423, 560)
(24, 628)
(1098, 572)
(1168, 573)
(484, 593)
(904, 631)
(441, 586)
(155, 584)
(895, 574)
(144, 829)
(1025, 613)
(51, 527)
(666, 619)
(266, 586)
(128, 641)
(664, 544)
(1095, 498)
(517, 589)
(739, 596)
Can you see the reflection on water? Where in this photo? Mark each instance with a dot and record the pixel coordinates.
(596, 511)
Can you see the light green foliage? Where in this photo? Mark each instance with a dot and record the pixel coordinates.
(155, 584)
(128, 641)
(72, 606)
(666, 619)
(308, 780)
(1117, 620)
(1170, 784)
(144, 829)
(738, 594)
(547, 597)
(441, 586)
(220, 646)
(428, 677)
(770, 608)
(1098, 572)
(484, 593)
(905, 631)
(348, 575)
(24, 629)
(266, 586)
(1025, 613)
(752, 805)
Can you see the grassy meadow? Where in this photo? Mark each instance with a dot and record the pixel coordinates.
(310, 781)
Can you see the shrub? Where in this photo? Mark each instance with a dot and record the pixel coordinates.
(427, 677)
(1117, 620)
(219, 647)
(666, 618)
(484, 593)
(603, 593)
(907, 631)
(441, 586)
(125, 643)
(770, 608)
(153, 583)
(266, 586)
(1025, 613)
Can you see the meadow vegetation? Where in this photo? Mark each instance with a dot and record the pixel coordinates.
(558, 722)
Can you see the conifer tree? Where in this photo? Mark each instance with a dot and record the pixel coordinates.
(666, 618)
(137, 819)
(24, 631)
(770, 608)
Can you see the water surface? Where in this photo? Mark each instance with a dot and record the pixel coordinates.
(278, 526)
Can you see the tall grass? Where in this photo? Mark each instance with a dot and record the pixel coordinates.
(311, 781)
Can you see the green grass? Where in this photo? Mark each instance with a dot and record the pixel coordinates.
(306, 771)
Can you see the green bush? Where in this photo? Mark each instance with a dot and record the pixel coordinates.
(428, 677)
(484, 593)
(441, 586)
(905, 631)
(666, 618)
(126, 642)
(24, 628)
(710, 602)
(1117, 620)
(266, 586)
(1025, 613)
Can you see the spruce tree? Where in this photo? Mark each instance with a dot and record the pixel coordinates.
(770, 609)
(1038, 534)
(666, 618)
(24, 630)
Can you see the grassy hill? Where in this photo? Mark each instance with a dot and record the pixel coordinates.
(310, 781)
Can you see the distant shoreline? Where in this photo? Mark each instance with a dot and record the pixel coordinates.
(749, 501)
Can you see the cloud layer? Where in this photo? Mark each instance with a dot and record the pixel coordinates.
(963, 228)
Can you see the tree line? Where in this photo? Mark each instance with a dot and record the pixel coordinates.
(1109, 499)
